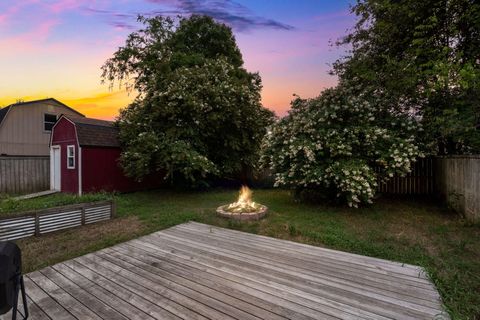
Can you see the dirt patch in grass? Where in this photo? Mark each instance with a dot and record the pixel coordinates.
(45, 250)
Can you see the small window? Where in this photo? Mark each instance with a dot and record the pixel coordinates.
(48, 121)
(71, 157)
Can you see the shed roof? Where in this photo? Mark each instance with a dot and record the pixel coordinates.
(95, 132)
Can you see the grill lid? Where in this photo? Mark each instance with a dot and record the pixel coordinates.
(10, 267)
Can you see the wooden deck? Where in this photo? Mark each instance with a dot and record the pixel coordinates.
(195, 271)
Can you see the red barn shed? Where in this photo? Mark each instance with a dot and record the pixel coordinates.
(84, 156)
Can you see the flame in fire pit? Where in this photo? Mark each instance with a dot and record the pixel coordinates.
(244, 202)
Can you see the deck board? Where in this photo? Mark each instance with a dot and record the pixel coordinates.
(196, 271)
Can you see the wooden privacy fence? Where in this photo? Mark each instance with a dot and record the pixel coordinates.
(36, 223)
(458, 182)
(455, 179)
(421, 180)
(24, 174)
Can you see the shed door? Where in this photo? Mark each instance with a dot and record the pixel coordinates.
(55, 169)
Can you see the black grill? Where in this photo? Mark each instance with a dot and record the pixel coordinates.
(11, 279)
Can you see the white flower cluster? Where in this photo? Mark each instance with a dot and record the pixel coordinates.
(357, 183)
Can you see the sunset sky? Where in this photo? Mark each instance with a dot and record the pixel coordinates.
(55, 48)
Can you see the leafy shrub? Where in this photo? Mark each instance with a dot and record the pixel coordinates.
(341, 144)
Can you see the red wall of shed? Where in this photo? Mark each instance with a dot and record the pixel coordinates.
(101, 171)
(64, 135)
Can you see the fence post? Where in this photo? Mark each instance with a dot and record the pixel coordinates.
(113, 208)
(83, 215)
(37, 225)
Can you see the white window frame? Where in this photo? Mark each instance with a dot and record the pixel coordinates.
(70, 147)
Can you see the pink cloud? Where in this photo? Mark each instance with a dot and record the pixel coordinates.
(64, 5)
(12, 10)
(61, 6)
(41, 32)
(29, 39)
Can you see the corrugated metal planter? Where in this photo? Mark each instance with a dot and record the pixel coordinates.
(38, 222)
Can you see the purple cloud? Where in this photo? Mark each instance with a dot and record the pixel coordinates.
(239, 17)
(229, 12)
(116, 19)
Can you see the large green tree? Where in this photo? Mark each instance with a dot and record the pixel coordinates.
(424, 58)
(198, 112)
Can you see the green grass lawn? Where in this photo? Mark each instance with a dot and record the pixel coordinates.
(419, 232)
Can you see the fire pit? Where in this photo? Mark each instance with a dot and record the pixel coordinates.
(244, 208)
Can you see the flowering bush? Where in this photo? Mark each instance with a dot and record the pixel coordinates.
(341, 144)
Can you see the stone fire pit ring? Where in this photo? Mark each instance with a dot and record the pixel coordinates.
(243, 216)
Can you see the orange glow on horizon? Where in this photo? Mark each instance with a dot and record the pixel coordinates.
(107, 104)
(104, 105)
